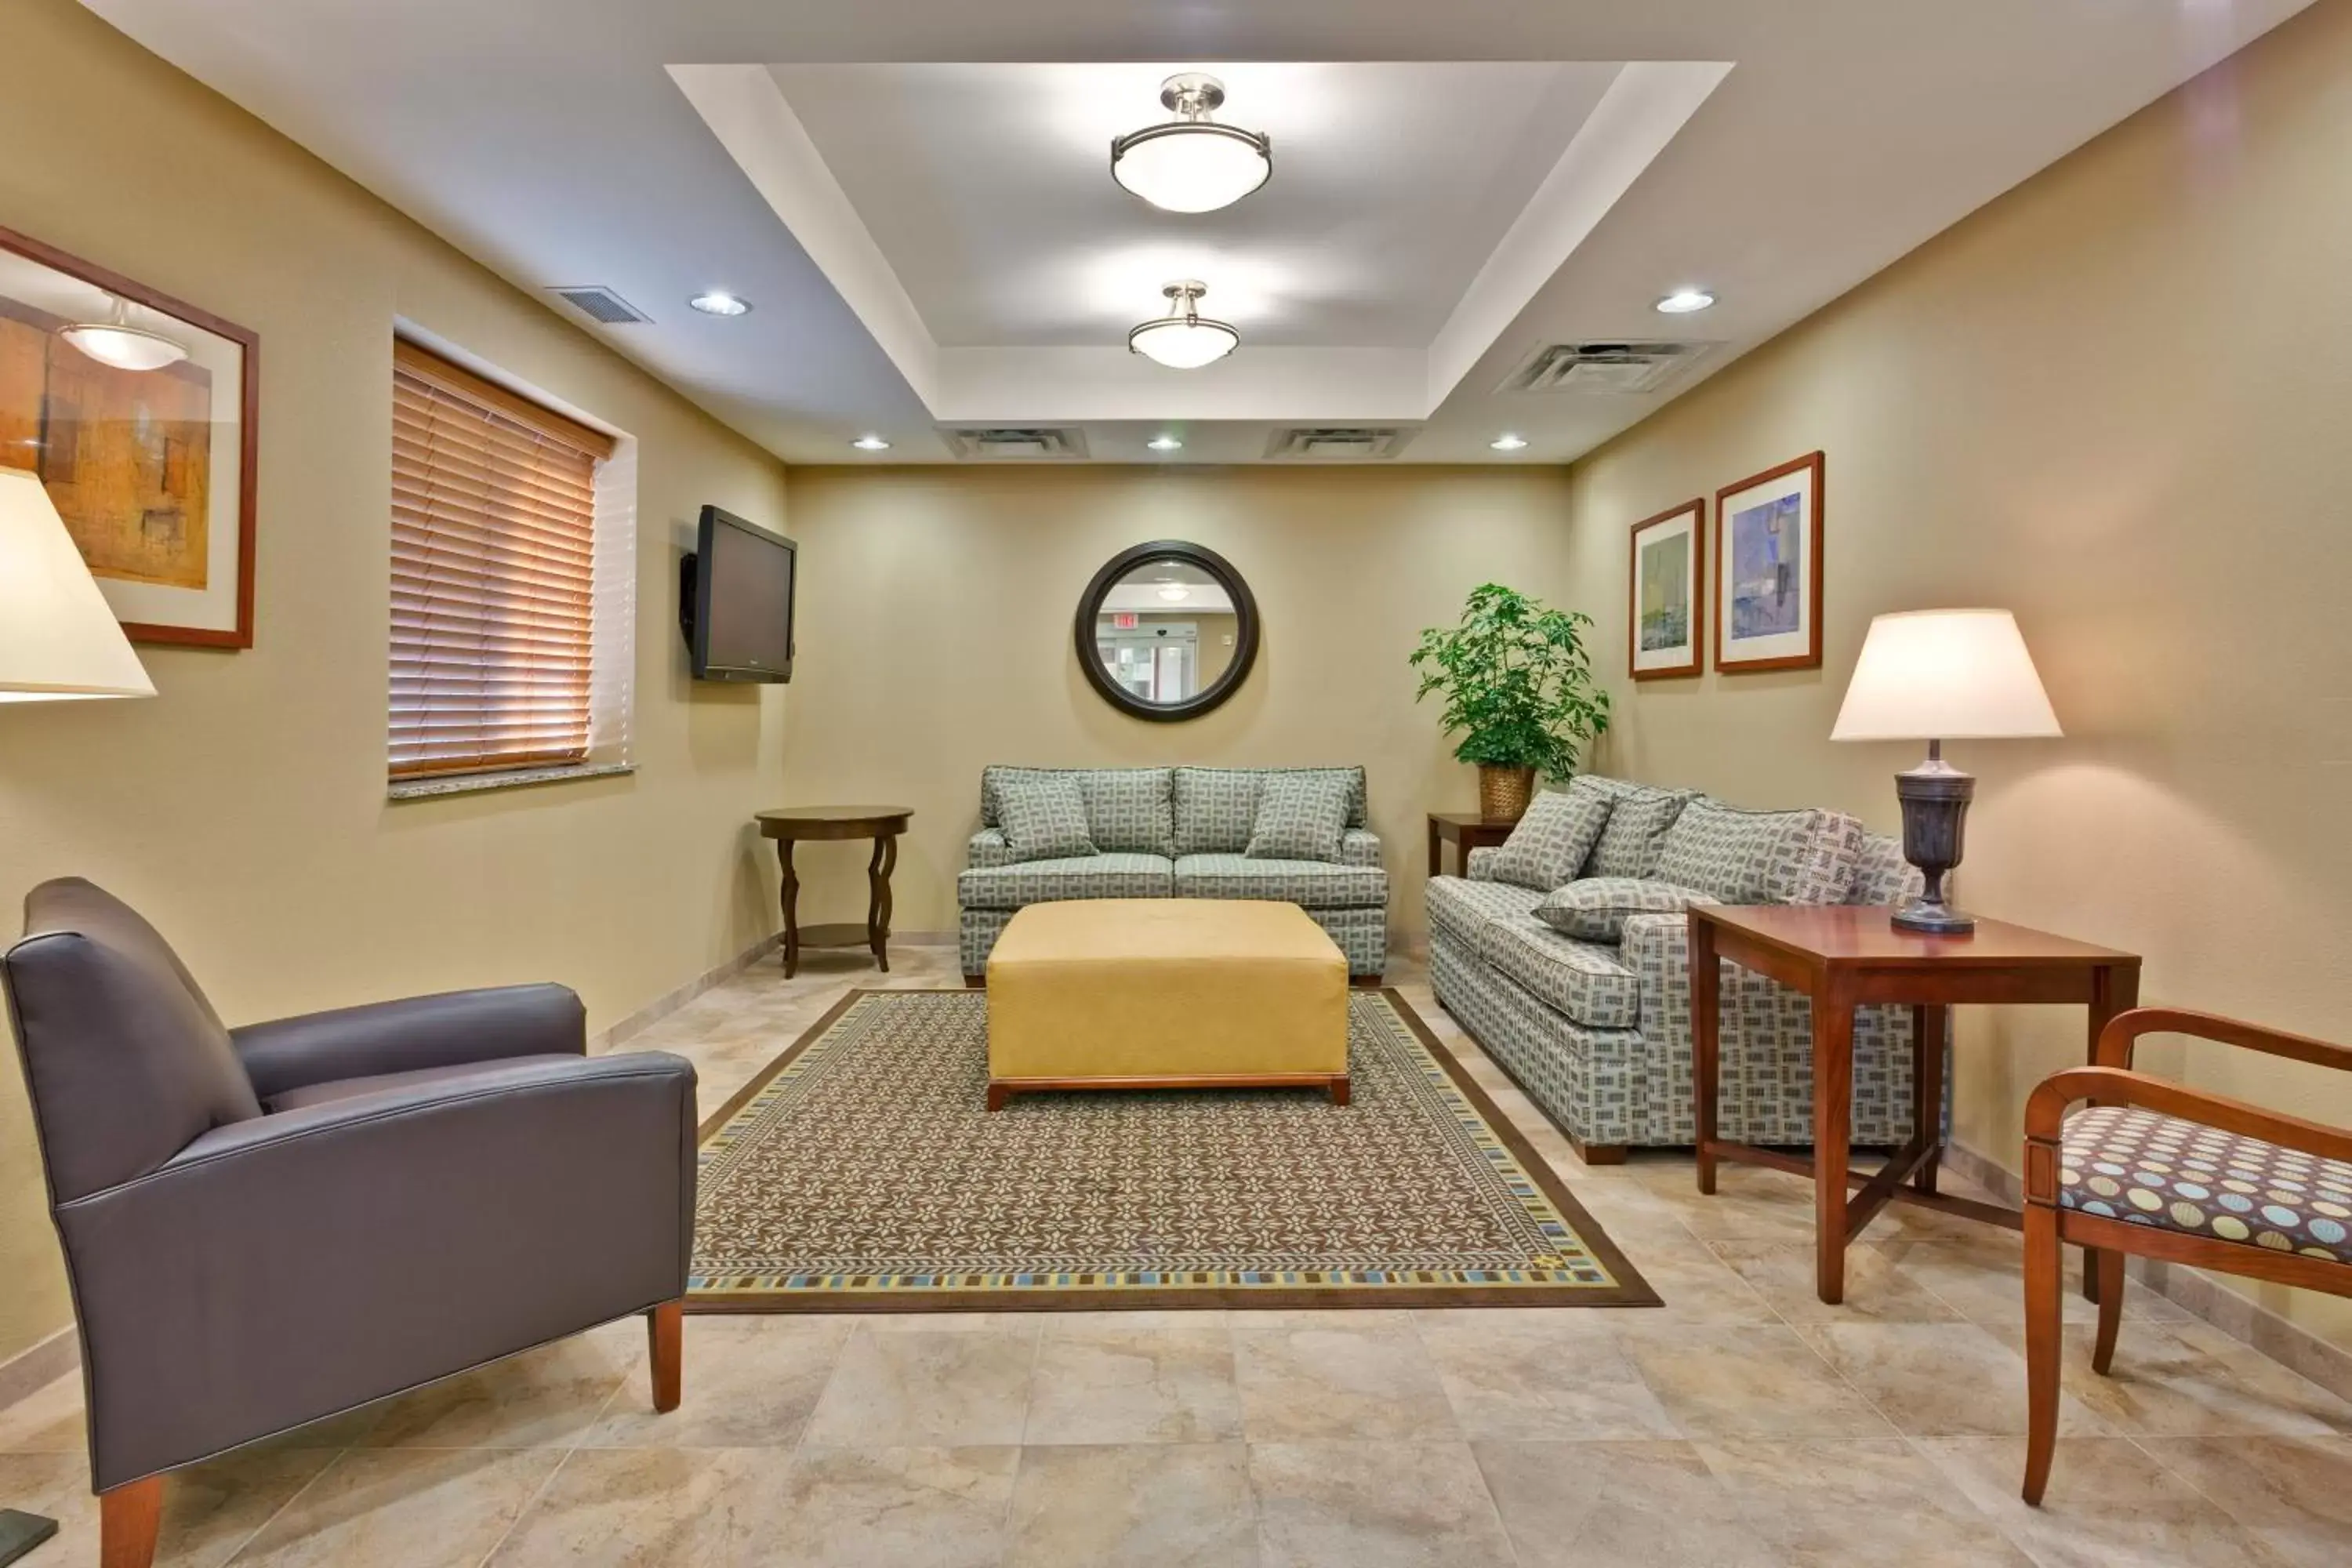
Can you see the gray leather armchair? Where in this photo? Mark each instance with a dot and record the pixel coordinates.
(267, 1226)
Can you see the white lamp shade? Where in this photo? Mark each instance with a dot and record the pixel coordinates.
(58, 637)
(1193, 168)
(1182, 344)
(1945, 675)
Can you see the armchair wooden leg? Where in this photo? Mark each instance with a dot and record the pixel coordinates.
(2109, 1265)
(665, 1333)
(128, 1518)
(2044, 1282)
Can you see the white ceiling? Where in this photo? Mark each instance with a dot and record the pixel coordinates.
(925, 248)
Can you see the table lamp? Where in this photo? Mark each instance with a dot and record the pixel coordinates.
(1937, 675)
(57, 640)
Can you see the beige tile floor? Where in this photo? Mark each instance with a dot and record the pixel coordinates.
(1744, 1423)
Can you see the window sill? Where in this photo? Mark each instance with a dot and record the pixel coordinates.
(475, 783)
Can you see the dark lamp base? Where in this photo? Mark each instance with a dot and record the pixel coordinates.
(1935, 796)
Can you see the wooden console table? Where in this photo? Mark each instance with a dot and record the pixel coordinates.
(1466, 830)
(882, 824)
(1843, 957)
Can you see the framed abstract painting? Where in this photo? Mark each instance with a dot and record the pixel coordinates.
(137, 413)
(1768, 570)
(1666, 613)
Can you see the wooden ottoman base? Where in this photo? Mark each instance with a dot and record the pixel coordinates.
(1166, 994)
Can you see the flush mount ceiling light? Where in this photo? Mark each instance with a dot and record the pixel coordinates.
(1165, 444)
(1192, 164)
(871, 443)
(1183, 339)
(1175, 593)
(1509, 443)
(117, 342)
(1683, 301)
(718, 303)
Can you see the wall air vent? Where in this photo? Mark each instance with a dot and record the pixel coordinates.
(599, 304)
(1614, 367)
(1030, 442)
(1337, 443)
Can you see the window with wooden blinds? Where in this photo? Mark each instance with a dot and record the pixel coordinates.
(493, 575)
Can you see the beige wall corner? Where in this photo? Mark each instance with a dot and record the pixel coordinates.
(2114, 402)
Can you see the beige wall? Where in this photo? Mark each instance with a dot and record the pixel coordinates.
(935, 638)
(2114, 400)
(244, 809)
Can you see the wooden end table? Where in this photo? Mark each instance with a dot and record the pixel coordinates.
(882, 824)
(1466, 830)
(1844, 956)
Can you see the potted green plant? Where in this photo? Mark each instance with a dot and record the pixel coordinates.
(1519, 689)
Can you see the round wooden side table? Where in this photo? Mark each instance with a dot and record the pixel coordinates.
(882, 824)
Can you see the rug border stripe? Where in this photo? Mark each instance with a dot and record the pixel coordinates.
(1631, 1290)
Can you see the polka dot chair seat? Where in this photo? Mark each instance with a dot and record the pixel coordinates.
(2124, 1163)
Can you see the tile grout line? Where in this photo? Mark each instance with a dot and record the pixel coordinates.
(529, 1503)
(280, 1512)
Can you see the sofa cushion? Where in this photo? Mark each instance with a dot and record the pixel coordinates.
(1044, 819)
(1129, 810)
(1080, 877)
(1638, 819)
(1300, 816)
(1595, 909)
(2126, 1163)
(1550, 844)
(1309, 884)
(1463, 907)
(1217, 807)
(1584, 980)
(1803, 857)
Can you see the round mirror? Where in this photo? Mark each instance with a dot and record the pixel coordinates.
(1167, 630)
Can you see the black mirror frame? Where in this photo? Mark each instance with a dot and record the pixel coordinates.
(1245, 635)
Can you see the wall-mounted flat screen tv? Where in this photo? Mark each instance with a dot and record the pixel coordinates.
(735, 600)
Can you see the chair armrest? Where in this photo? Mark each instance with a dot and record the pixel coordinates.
(1359, 847)
(2124, 1030)
(448, 1030)
(987, 849)
(2045, 1118)
(289, 1267)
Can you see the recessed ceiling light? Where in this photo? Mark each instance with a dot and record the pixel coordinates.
(1192, 164)
(871, 443)
(1683, 301)
(715, 304)
(1509, 443)
(1183, 339)
(1165, 444)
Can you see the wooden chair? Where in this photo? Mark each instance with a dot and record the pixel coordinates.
(2207, 1181)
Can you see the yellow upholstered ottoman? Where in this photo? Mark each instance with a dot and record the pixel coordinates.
(1165, 994)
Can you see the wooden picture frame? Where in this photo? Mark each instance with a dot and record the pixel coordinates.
(154, 471)
(1768, 569)
(1671, 545)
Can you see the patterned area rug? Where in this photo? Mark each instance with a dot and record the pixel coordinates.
(860, 1171)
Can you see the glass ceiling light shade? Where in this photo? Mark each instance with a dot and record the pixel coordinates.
(1191, 163)
(58, 637)
(117, 342)
(1183, 339)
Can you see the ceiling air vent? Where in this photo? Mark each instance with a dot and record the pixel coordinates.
(601, 304)
(1336, 442)
(1613, 367)
(1016, 442)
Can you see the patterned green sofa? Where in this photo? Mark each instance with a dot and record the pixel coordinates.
(1599, 1033)
(1179, 833)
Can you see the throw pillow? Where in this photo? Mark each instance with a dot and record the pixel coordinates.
(1595, 909)
(1639, 818)
(1300, 816)
(1762, 857)
(1549, 845)
(1044, 819)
